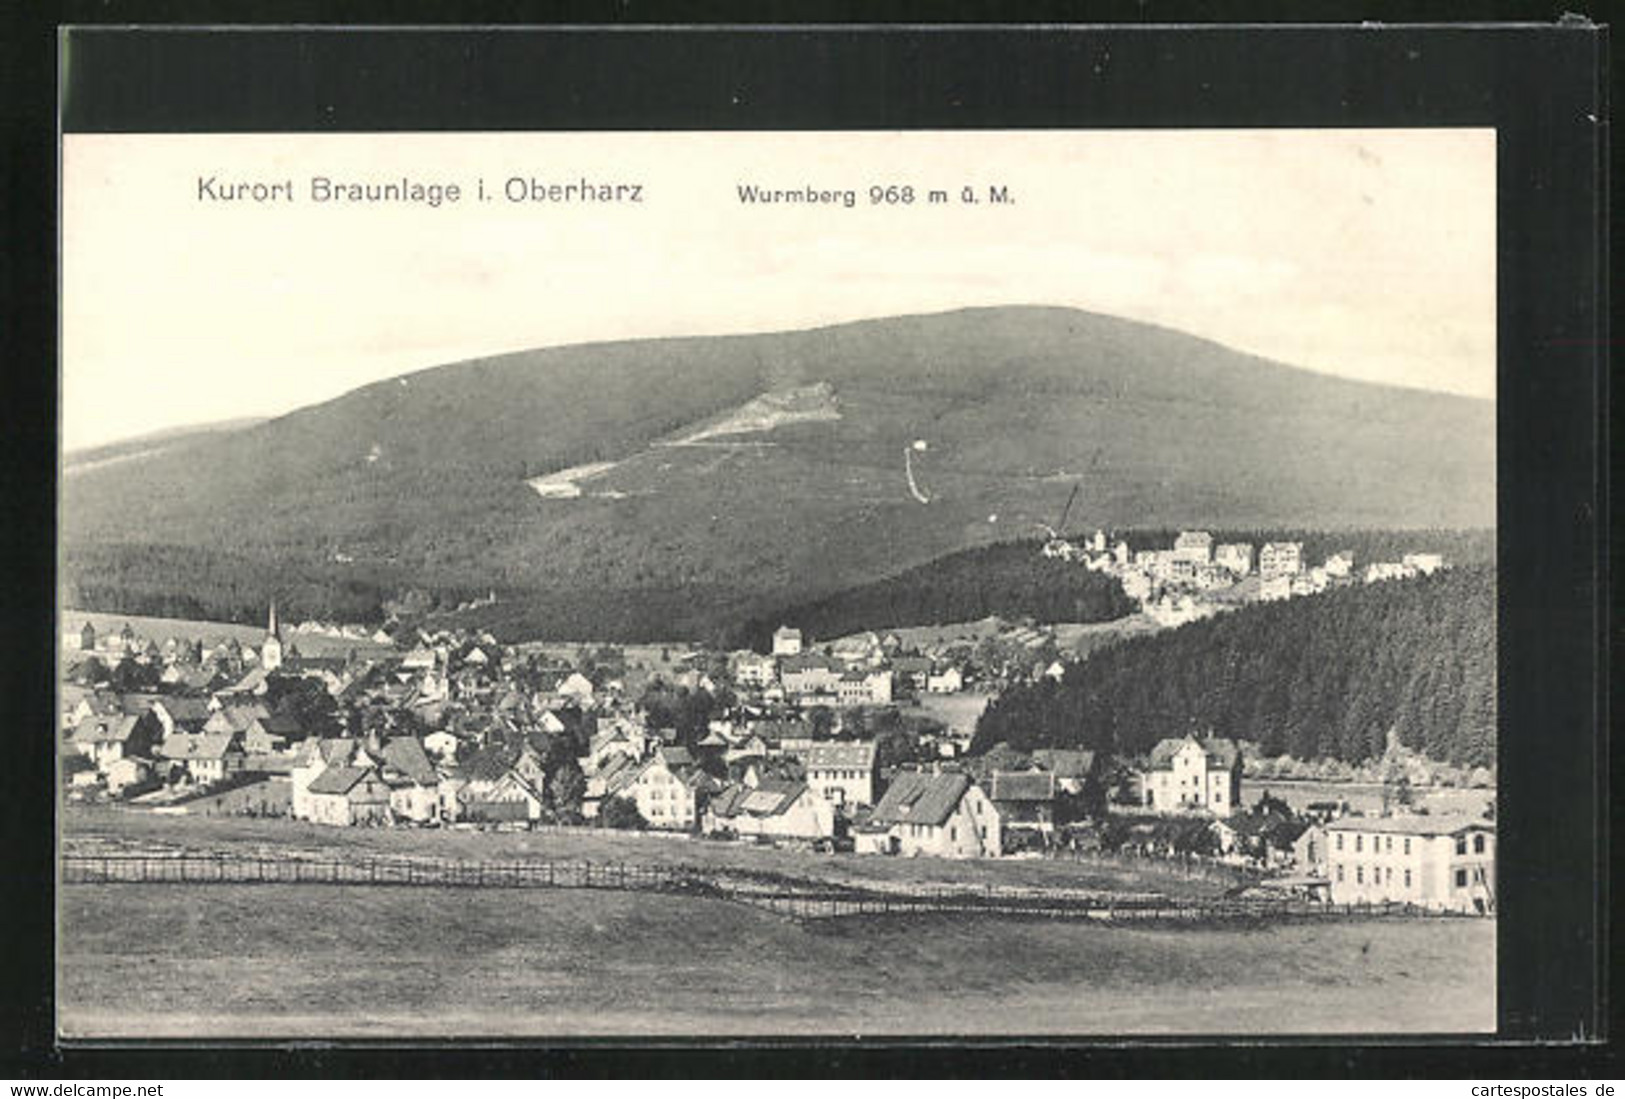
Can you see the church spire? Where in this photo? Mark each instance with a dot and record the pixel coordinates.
(271, 626)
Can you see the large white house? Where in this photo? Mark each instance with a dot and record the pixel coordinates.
(1443, 862)
(1189, 774)
(1280, 559)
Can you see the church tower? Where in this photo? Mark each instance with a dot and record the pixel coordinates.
(271, 652)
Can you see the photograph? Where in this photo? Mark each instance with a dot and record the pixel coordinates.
(777, 584)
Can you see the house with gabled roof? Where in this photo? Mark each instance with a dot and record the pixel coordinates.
(1072, 767)
(414, 784)
(1024, 799)
(496, 785)
(315, 756)
(931, 813)
(207, 757)
(344, 795)
(102, 740)
(663, 795)
(774, 808)
(1186, 774)
(184, 714)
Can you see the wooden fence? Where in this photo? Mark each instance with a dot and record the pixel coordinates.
(789, 896)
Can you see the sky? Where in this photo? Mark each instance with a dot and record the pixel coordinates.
(1368, 254)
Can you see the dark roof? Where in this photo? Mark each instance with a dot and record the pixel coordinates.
(1065, 762)
(1023, 786)
(918, 798)
(197, 745)
(676, 755)
(184, 708)
(769, 798)
(337, 780)
(405, 754)
(93, 729)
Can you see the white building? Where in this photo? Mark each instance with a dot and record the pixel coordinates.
(1425, 563)
(842, 774)
(786, 641)
(1195, 546)
(859, 688)
(1280, 559)
(938, 814)
(1445, 862)
(1189, 774)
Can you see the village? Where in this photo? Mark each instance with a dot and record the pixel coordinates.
(830, 748)
(1197, 578)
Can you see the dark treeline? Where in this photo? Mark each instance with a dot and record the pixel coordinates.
(1012, 580)
(1315, 677)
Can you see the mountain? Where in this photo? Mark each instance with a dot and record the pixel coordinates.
(93, 457)
(666, 488)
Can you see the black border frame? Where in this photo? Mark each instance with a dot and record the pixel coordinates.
(1540, 85)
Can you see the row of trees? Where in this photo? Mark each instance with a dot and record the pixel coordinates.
(1325, 676)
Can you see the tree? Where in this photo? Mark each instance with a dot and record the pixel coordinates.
(622, 813)
(566, 787)
(893, 747)
(821, 719)
(307, 702)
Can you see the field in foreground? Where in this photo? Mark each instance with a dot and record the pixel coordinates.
(331, 962)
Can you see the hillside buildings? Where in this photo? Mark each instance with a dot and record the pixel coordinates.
(1194, 546)
(1279, 559)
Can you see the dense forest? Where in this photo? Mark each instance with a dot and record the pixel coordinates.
(1009, 579)
(1320, 676)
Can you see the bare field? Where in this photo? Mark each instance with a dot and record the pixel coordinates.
(1367, 797)
(162, 630)
(312, 961)
(270, 836)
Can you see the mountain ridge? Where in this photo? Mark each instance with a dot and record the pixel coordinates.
(424, 477)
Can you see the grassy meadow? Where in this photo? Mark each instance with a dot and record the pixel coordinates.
(121, 825)
(335, 962)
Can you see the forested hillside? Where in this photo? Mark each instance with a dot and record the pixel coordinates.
(1011, 580)
(1319, 676)
(703, 512)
